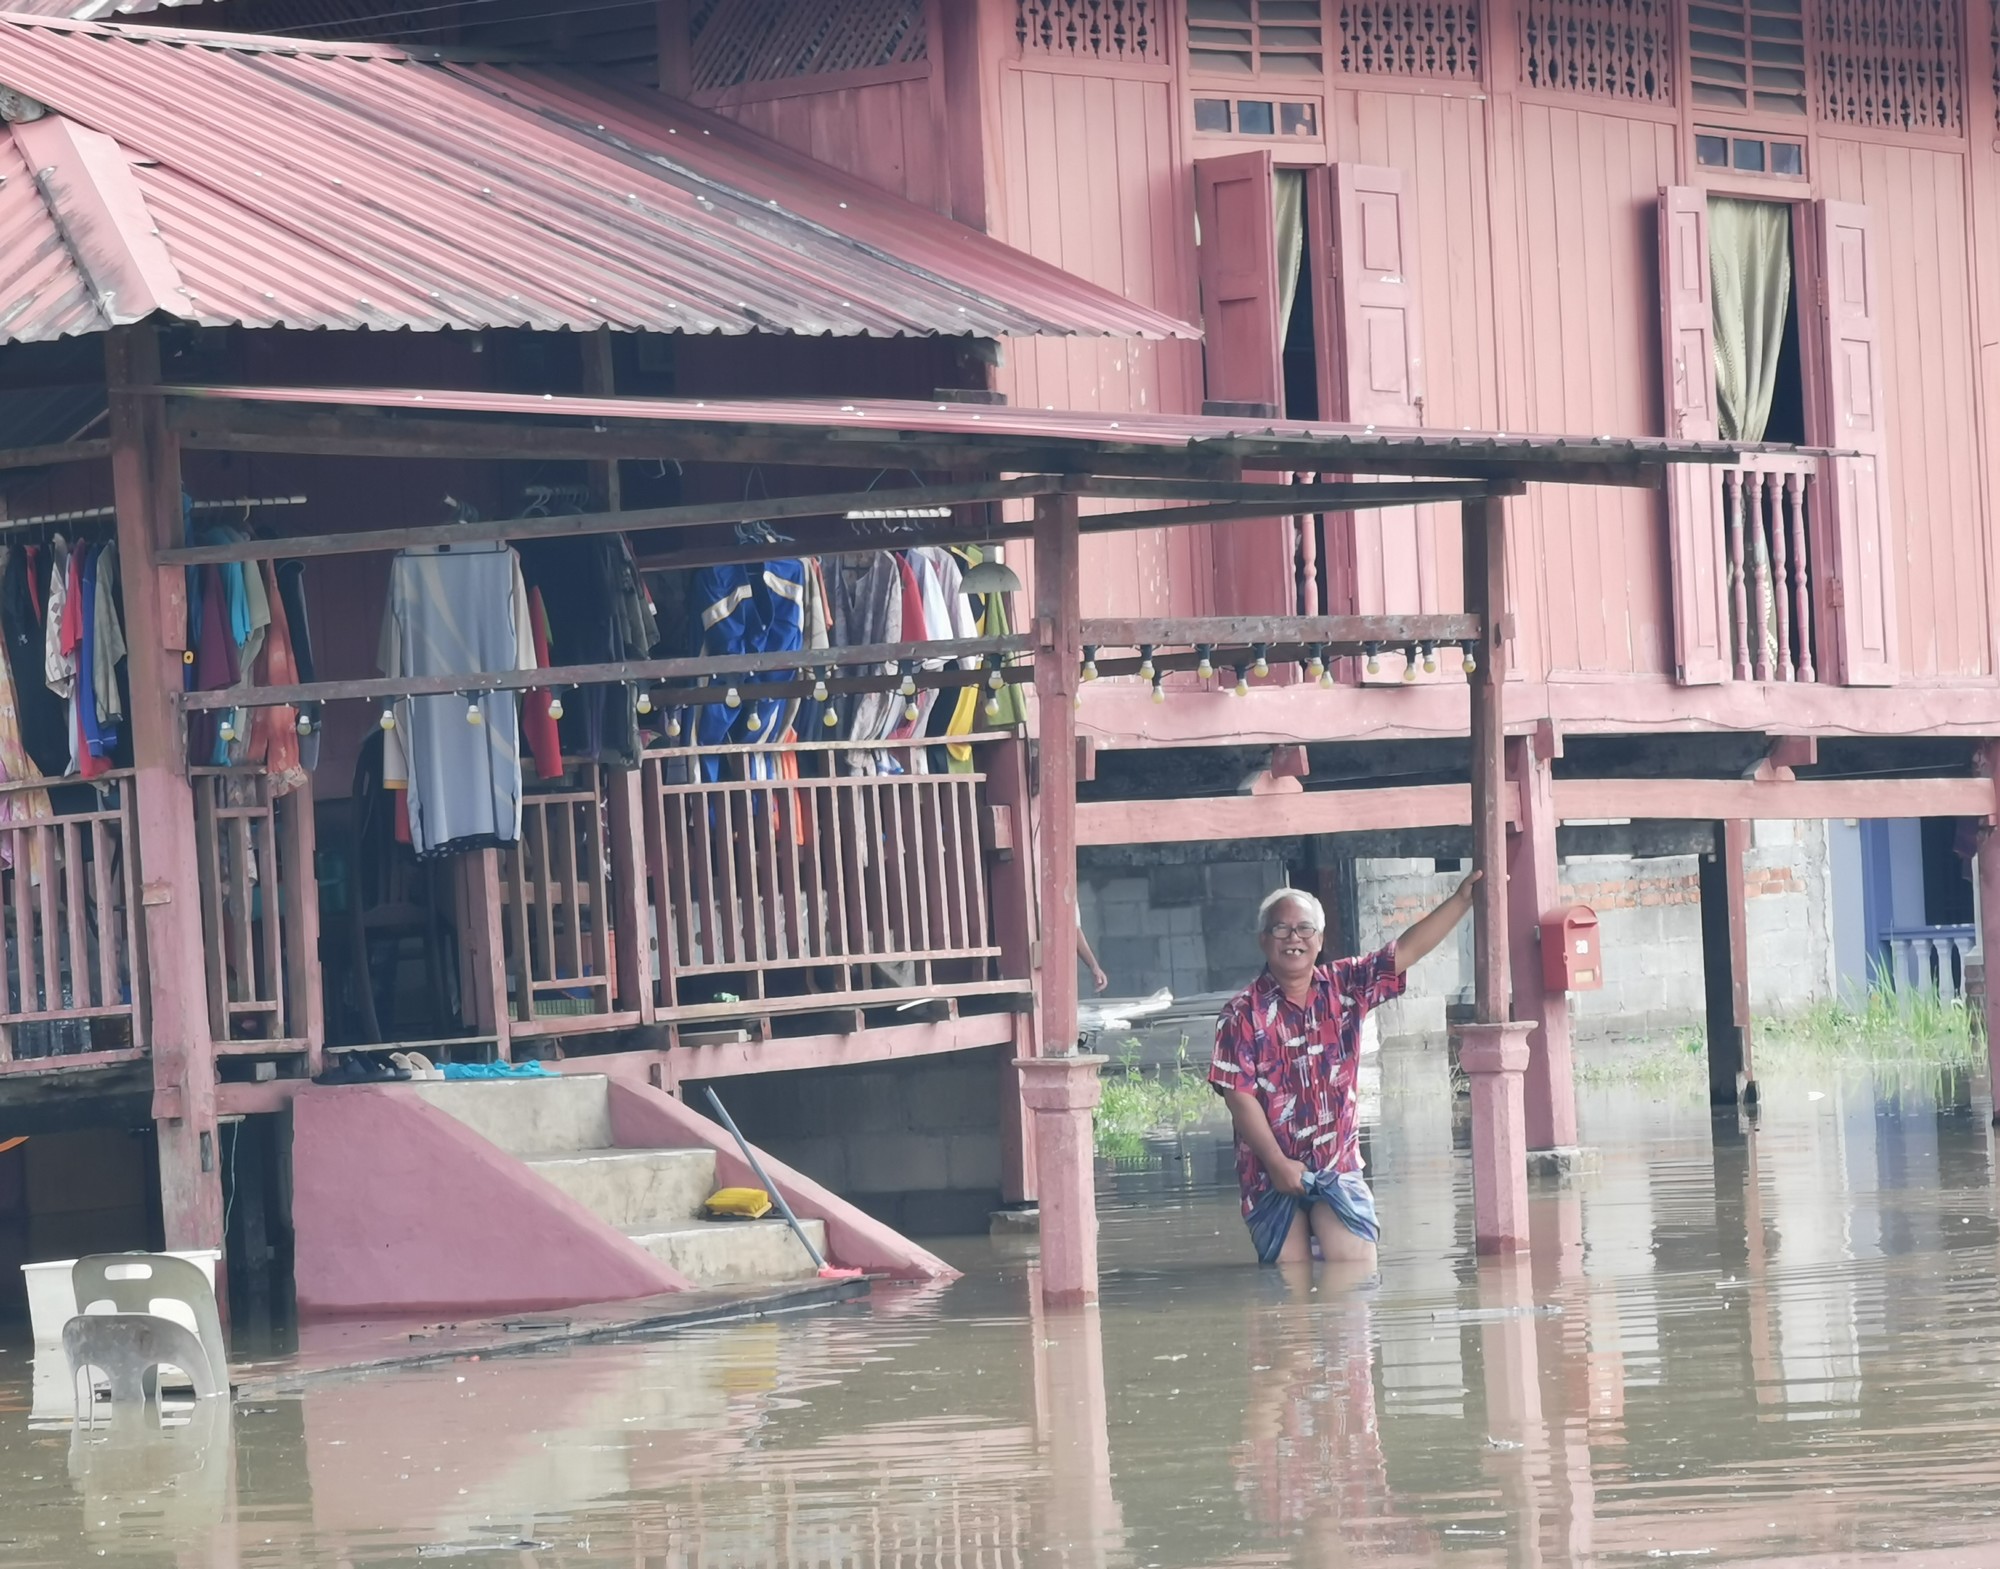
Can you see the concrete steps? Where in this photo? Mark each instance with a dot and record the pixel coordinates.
(560, 1128)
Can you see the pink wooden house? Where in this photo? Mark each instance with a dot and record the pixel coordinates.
(1606, 220)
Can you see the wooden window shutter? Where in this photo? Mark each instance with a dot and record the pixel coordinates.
(1852, 542)
(1243, 357)
(1694, 510)
(1239, 279)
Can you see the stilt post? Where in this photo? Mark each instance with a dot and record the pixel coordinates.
(146, 489)
(1493, 1051)
(1988, 870)
(1533, 889)
(1011, 877)
(1725, 963)
(1060, 1086)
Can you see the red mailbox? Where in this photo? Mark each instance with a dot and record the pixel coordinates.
(1571, 959)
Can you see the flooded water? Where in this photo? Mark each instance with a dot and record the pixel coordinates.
(1777, 1347)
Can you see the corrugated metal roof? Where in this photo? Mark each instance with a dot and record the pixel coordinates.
(1305, 444)
(296, 184)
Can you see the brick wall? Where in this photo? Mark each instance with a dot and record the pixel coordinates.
(1189, 928)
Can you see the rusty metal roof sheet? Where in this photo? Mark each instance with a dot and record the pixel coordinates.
(226, 179)
(1308, 445)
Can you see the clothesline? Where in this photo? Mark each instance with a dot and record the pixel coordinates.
(88, 514)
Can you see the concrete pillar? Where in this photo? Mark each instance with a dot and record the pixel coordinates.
(1495, 1059)
(1725, 963)
(146, 488)
(1061, 1093)
(1532, 891)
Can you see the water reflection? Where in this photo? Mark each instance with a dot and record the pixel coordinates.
(1743, 1344)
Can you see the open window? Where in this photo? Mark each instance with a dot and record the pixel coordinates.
(1779, 563)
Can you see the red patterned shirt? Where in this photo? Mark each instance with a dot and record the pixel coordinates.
(1301, 1062)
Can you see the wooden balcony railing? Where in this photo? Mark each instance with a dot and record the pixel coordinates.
(558, 913)
(259, 911)
(75, 970)
(1767, 502)
(815, 893)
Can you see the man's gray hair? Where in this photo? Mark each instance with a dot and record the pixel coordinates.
(1297, 896)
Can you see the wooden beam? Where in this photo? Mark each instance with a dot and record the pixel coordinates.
(86, 451)
(1285, 498)
(649, 670)
(1352, 632)
(1722, 800)
(1204, 818)
(894, 1043)
(1357, 498)
(570, 525)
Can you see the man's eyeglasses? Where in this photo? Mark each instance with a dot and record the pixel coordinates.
(1283, 932)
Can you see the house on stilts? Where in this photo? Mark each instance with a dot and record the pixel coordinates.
(579, 536)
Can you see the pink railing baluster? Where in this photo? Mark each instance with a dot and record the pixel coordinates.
(1754, 511)
(1732, 511)
(1781, 597)
(1798, 488)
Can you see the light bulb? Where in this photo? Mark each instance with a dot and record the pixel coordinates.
(644, 705)
(1315, 668)
(993, 707)
(1410, 665)
(472, 714)
(819, 689)
(1430, 660)
(388, 719)
(673, 724)
(1159, 690)
(1374, 659)
(1146, 662)
(1471, 660)
(910, 712)
(1090, 664)
(305, 724)
(829, 719)
(909, 686)
(228, 731)
(994, 679)
(1206, 669)
(556, 705)
(1262, 667)
(1325, 677)
(1242, 683)
(733, 698)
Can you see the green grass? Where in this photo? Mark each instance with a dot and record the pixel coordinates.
(1139, 1104)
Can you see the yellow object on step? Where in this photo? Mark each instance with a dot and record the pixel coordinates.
(739, 1204)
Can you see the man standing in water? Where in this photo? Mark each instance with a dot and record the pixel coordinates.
(1287, 1054)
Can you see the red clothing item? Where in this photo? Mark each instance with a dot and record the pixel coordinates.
(1301, 1063)
(537, 723)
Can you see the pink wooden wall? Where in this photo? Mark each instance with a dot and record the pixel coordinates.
(885, 133)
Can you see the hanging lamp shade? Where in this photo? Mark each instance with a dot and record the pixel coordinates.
(990, 575)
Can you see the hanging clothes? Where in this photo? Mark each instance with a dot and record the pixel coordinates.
(599, 612)
(865, 600)
(274, 730)
(215, 665)
(453, 611)
(17, 765)
(778, 596)
(809, 722)
(96, 736)
(40, 714)
(538, 722)
(291, 581)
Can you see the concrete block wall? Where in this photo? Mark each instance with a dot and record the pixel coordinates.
(915, 1144)
(1188, 928)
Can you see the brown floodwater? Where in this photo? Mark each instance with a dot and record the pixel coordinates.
(1776, 1347)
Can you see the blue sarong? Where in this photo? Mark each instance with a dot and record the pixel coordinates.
(1344, 1192)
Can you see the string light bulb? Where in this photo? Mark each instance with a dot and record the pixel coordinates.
(1145, 661)
(1159, 689)
(1471, 661)
(388, 719)
(304, 725)
(1090, 661)
(1242, 681)
(644, 703)
(819, 688)
(909, 686)
(1374, 653)
(1316, 666)
(733, 698)
(228, 730)
(1430, 659)
(674, 723)
(993, 706)
(910, 711)
(1261, 666)
(472, 714)
(1410, 664)
(829, 719)
(556, 704)
(994, 679)
(1206, 669)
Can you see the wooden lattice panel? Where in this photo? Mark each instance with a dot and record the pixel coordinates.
(737, 42)
(1891, 64)
(1410, 37)
(1090, 29)
(1614, 48)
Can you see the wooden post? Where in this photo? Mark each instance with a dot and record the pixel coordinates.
(1988, 870)
(1060, 1086)
(1493, 1050)
(1533, 889)
(146, 487)
(1725, 963)
(305, 995)
(1010, 877)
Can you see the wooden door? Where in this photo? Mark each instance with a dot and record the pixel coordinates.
(1852, 543)
(1369, 348)
(1694, 510)
(1244, 361)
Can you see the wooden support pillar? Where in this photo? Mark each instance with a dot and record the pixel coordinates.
(146, 488)
(1010, 876)
(1725, 964)
(1493, 1050)
(1060, 1085)
(1533, 889)
(1987, 870)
